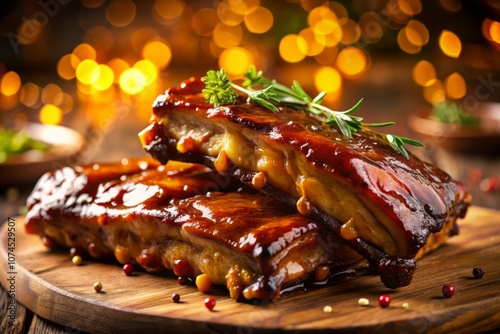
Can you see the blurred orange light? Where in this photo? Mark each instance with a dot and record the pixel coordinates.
(118, 65)
(84, 71)
(371, 27)
(141, 36)
(29, 94)
(227, 36)
(64, 67)
(11, 82)
(339, 9)
(204, 21)
(148, 69)
(236, 61)
(352, 61)
(455, 86)
(424, 73)
(450, 44)
(327, 56)
(451, 5)
(310, 43)
(100, 38)
(405, 44)
(259, 20)
(102, 77)
(410, 7)
(132, 81)
(169, 9)
(50, 114)
(227, 15)
(92, 3)
(417, 33)
(351, 32)
(49, 92)
(321, 14)
(158, 52)
(328, 79)
(434, 93)
(120, 13)
(64, 101)
(289, 48)
(81, 52)
(495, 32)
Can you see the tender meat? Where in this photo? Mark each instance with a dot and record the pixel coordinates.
(153, 215)
(381, 204)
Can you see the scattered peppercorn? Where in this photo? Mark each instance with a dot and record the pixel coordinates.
(363, 302)
(97, 286)
(77, 260)
(181, 280)
(203, 282)
(210, 303)
(405, 306)
(327, 309)
(176, 297)
(384, 301)
(478, 273)
(182, 267)
(128, 269)
(448, 290)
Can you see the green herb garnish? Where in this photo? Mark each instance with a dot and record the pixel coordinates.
(220, 90)
(17, 142)
(452, 113)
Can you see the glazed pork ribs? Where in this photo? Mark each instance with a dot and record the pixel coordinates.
(141, 212)
(388, 208)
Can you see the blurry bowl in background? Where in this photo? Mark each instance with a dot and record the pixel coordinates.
(64, 148)
(483, 138)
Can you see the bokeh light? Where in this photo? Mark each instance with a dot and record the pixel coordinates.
(148, 69)
(424, 73)
(29, 94)
(434, 93)
(352, 62)
(102, 77)
(258, 20)
(450, 44)
(455, 86)
(158, 52)
(132, 81)
(84, 71)
(11, 82)
(328, 79)
(236, 61)
(289, 48)
(51, 114)
(49, 92)
(204, 21)
(121, 13)
(169, 9)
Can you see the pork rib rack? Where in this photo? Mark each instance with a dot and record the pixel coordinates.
(384, 206)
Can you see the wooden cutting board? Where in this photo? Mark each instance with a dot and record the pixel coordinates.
(47, 283)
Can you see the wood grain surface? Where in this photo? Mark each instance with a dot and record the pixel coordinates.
(51, 286)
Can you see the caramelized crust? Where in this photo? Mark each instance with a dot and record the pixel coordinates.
(140, 212)
(381, 204)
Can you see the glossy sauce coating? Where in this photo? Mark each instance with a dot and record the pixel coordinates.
(179, 196)
(416, 195)
(415, 198)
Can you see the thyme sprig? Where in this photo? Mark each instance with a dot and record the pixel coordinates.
(219, 90)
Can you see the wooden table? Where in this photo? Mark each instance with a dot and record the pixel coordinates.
(117, 142)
